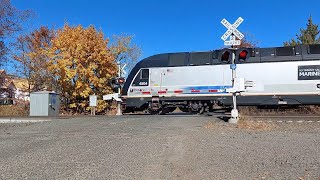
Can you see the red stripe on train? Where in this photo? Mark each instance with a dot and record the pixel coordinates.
(146, 92)
(195, 91)
(213, 90)
(162, 92)
(178, 91)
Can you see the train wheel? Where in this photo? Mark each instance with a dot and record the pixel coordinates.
(196, 108)
(154, 108)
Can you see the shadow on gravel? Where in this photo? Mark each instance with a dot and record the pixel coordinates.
(224, 118)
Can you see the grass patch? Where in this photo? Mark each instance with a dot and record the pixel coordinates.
(250, 124)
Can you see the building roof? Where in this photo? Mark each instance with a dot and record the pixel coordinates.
(21, 83)
(9, 84)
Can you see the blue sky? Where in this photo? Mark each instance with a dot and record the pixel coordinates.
(178, 25)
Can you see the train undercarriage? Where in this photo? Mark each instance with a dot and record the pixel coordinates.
(161, 105)
(164, 107)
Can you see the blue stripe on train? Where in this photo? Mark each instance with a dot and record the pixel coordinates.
(220, 89)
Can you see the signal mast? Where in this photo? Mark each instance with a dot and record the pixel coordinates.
(237, 83)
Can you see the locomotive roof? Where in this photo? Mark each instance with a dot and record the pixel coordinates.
(257, 55)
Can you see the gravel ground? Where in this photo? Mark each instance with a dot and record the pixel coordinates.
(159, 147)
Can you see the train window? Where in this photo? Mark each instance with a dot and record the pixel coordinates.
(285, 51)
(200, 58)
(266, 52)
(314, 49)
(177, 59)
(142, 79)
(144, 73)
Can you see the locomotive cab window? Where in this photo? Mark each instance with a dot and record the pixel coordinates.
(142, 78)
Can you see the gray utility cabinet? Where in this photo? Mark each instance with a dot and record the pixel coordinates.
(44, 103)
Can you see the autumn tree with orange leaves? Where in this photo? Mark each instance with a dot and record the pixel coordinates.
(74, 61)
(82, 64)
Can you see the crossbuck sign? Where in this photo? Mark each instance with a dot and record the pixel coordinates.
(232, 32)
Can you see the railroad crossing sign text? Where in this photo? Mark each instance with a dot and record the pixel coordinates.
(232, 32)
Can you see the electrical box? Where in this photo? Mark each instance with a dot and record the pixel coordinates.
(44, 103)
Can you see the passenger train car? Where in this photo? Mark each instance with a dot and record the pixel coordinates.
(195, 81)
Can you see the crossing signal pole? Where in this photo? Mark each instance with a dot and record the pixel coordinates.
(120, 82)
(117, 84)
(232, 32)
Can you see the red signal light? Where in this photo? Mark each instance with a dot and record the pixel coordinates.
(243, 55)
(121, 80)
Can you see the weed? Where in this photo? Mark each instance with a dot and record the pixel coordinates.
(250, 124)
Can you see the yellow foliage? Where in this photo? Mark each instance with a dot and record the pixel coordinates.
(82, 64)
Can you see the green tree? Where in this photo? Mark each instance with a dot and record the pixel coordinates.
(310, 35)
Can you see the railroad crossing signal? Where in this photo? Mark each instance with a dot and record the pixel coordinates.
(123, 72)
(232, 32)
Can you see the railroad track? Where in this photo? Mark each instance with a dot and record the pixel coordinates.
(259, 118)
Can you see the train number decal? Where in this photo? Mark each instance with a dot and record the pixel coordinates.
(144, 82)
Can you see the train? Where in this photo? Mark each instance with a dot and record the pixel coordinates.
(196, 82)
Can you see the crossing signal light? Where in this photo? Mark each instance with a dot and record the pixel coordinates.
(121, 81)
(116, 83)
(225, 55)
(113, 83)
(243, 54)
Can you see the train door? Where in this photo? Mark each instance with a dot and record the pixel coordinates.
(156, 76)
